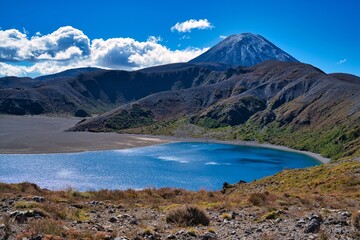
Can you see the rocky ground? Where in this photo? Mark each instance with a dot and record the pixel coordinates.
(321, 202)
(25, 218)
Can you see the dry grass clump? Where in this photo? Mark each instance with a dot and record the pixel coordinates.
(356, 220)
(226, 216)
(6, 231)
(271, 215)
(148, 231)
(150, 197)
(20, 188)
(268, 236)
(43, 226)
(186, 216)
(258, 199)
(55, 229)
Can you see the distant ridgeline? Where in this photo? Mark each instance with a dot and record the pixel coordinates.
(243, 88)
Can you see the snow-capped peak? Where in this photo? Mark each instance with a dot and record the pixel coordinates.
(244, 49)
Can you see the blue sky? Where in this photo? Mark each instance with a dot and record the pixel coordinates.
(323, 33)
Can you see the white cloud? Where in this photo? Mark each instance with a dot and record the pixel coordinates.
(161, 55)
(39, 68)
(16, 46)
(222, 36)
(188, 25)
(185, 37)
(341, 61)
(68, 48)
(13, 45)
(10, 70)
(25, 31)
(127, 53)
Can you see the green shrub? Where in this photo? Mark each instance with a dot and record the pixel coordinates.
(208, 122)
(271, 215)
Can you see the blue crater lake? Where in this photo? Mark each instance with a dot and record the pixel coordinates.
(189, 165)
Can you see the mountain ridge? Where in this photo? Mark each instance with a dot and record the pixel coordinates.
(244, 49)
(272, 100)
(270, 95)
(95, 91)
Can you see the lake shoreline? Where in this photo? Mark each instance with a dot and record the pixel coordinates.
(316, 156)
(43, 134)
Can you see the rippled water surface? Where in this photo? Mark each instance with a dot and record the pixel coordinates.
(184, 165)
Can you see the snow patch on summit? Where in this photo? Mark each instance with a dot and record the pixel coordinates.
(244, 49)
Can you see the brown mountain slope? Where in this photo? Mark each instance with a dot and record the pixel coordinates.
(294, 93)
(291, 96)
(97, 90)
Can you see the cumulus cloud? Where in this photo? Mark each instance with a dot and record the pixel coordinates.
(341, 61)
(39, 68)
(129, 53)
(10, 70)
(161, 55)
(68, 48)
(222, 36)
(64, 43)
(188, 25)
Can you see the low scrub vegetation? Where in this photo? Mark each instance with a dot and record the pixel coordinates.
(356, 220)
(187, 216)
(290, 193)
(134, 117)
(258, 199)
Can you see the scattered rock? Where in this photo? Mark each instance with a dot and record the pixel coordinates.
(107, 237)
(134, 221)
(78, 206)
(108, 221)
(38, 199)
(180, 232)
(311, 237)
(113, 219)
(314, 216)
(21, 219)
(171, 236)
(38, 237)
(98, 227)
(345, 214)
(338, 231)
(300, 223)
(313, 226)
(22, 216)
(209, 236)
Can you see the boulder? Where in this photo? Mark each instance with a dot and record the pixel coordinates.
(38, 199)
(113, 219)
(313, 226)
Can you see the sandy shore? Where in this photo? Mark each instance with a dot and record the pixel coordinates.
(41, 134)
